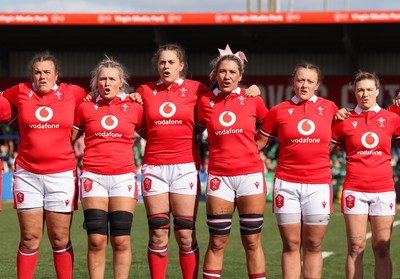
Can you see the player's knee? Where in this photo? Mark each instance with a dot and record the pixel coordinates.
(120, 223)
(184, 223)
(96, 221)
(250, 223)
(158, 221)
(219, 224)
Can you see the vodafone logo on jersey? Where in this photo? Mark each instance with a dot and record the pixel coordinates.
(167, 109)
(369, 140)
(44, 114)
(306, 127)
(227, 118)
(109, 122)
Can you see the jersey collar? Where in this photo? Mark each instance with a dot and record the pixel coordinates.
(179, 81)
(375, 108)
(54, 88)
(216, 91)
(121, 95)
(296, 100)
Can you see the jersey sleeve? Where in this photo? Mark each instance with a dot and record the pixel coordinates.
(261, 109)
(394, 109)
(200, 120)
(269, 125)
(397, 130)
(79, 123)
(79, 94)
(336, 132)
(11, 95)
(8, 112)
(141, 120)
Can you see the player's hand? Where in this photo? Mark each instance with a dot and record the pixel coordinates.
(341, 114)
(396, 100)
(252, 91)
(89, 97)
(136, 97)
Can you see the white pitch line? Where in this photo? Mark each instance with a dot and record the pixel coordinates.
(328, 254)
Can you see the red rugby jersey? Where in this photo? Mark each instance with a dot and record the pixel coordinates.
(367, 137)
(304, 133)
(170, 121)
(231, 126)
(109, 134)
(45, 123)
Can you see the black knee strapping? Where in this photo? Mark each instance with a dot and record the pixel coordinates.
(96, 221)
(120, 223)
(250, 223)
(219, 224)
(158, 221)
(184, 223)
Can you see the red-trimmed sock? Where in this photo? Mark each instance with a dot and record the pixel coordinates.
(26, 262)
(63, 258)
(189, 259)
(257, 275)
(158, 261)
(211, 274)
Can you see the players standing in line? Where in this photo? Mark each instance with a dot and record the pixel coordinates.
(234, 180)
(302, 191)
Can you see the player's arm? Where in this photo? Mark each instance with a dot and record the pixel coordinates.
(262, 140)
(76, 134)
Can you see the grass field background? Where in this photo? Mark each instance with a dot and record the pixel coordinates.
(234, 261)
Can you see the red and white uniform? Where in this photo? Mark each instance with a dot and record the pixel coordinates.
(45, 123)
(304, 133)
(109, 134)
(231, 126)
(170, 121)
(8, 114)
(366, 137)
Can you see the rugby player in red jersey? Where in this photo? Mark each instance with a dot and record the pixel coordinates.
(109, 188)
(368, 189)
(45, 182)
(235, 169)
(302, 191)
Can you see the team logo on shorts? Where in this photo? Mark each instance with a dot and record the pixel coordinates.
(369, 140)
(279, 201)
(227, 118)
(214, 184)
(44, 114)
(20, 197)
(350, 201)
(109, 122)
(167, 109)
(147, 184)
(87, 185)
(306, 127)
